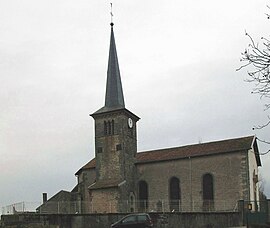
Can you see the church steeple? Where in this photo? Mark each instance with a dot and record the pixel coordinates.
(114, 98)
(114, 92)
(115, 140)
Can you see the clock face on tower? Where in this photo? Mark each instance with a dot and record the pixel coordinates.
(130, 123)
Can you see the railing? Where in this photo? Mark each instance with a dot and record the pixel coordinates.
(21, 207)
(81, 207)
(179, 206)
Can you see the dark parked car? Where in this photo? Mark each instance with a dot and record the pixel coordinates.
(141, 220)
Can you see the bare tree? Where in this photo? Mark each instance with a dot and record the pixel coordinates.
(259, 58)
(256, 58)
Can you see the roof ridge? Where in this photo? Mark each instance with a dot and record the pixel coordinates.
(197, 144)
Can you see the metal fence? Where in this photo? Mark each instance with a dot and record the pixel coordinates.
(81, 207)
(21, 207)
(63, 207)
(193, 206)
(179, 206)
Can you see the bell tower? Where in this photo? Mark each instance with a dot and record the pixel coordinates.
(115, 135)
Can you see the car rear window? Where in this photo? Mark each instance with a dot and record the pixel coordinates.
(129, 219)
(142, 218)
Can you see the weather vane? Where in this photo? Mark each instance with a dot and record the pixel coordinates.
(111, 15)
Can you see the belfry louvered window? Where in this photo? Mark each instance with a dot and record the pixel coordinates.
(109, 127)
(105, 128)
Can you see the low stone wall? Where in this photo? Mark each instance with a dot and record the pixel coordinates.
(166, 220)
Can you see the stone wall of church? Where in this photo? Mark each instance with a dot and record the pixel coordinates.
(115, 148)
(85, 179)
(226, 170)
(104, 200)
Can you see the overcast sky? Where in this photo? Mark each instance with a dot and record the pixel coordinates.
(178, 63)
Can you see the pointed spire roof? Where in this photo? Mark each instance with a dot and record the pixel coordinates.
(114, 92)
(114, 98)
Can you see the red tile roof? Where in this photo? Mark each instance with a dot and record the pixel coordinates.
(201, 149)
(89, 165)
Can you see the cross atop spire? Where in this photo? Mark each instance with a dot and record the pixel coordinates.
(111, 16)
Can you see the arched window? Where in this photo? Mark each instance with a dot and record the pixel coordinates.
(208, 192)
(175, 194)
(143, 196)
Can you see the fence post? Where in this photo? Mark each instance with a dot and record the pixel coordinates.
(110, 207)
(128, 207)
(144, 205)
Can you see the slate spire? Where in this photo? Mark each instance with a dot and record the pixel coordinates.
(114, 98)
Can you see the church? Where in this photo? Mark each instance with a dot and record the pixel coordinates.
(210, 176)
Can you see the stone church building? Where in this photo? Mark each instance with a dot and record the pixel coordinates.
(211, 176)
